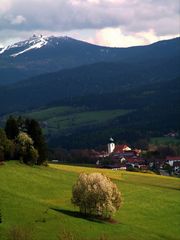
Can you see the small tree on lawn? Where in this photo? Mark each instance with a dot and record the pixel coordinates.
(95, 194)
(27, 153)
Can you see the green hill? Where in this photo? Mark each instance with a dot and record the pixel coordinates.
(38, 198)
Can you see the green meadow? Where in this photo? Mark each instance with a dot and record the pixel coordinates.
(38, 199)
(68, 118)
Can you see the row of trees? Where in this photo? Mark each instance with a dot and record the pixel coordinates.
(22, 139)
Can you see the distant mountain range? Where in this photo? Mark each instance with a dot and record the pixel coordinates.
(40, 54)
(141, 84)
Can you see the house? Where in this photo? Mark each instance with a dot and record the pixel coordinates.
(117, 149)
(121, 148)
(121, 151)
(172, 160)
(123, 154)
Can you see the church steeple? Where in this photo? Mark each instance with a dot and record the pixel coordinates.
(111, 145)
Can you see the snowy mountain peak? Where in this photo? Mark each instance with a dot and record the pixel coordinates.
(34, 42)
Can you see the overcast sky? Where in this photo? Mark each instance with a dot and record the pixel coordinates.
(118, 23)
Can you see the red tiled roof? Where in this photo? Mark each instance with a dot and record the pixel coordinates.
(169, 158)
(120, 148)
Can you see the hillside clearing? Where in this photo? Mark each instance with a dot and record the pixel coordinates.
(68, 118)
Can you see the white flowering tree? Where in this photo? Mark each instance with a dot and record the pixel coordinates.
(95, 194)
(27, 152)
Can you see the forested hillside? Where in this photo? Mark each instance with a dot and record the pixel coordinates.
(133, 94)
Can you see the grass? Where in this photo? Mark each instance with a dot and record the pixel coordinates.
(68, 118)
(38, 199)
(45, 114)
(64, 119)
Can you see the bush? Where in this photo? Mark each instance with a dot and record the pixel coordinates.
(95, 194)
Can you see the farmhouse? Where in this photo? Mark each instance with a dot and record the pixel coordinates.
(173, 162)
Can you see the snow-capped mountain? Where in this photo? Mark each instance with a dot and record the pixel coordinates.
(42, 54)
(34, 42)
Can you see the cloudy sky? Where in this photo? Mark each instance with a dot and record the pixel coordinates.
(119, 23)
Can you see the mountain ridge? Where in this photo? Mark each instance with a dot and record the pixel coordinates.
(66, 53)
(97, 78)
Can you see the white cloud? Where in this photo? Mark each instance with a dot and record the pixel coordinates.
(111, 21)
(114, 37)
(18, 20)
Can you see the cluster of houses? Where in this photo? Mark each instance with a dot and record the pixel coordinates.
(123, 157)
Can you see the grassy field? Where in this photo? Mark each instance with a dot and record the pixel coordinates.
(38, 198)
(48, 113)
(66, 118)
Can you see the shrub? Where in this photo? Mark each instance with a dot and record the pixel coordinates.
(95, 194)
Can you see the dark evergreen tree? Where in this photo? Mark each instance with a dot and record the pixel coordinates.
(11, 128)
(7, 147)
(34, 130)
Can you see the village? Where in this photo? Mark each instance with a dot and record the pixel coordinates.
(161, 160)
(124, 157)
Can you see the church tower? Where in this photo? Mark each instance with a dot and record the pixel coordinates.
(111, 146)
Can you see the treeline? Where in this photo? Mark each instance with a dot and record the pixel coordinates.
(22, 139)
